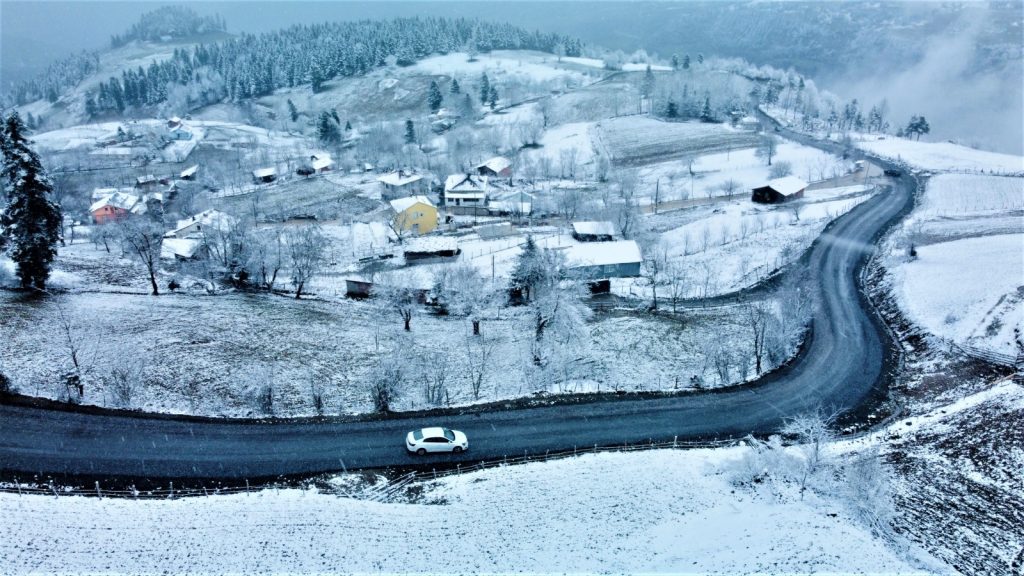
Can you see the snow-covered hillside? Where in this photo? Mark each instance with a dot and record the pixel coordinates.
(943, 156)
(666, 511)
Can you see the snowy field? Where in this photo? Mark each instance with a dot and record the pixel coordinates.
(642, 140)
(500, 66)
(967, 291)
(662, 511)
(943, 156)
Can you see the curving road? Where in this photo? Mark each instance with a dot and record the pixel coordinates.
(841, 366)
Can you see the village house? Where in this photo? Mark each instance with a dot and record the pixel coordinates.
(431, 249)
(597, 261)
(779, 190)
(207, 220)
(467, 193)
(115, 207)
(415, 214)
(590, 231)
(182, 249)
(146, 181)
(402, 183)
(189, 173)
(318, 163)
(264, 175)
(499, 167)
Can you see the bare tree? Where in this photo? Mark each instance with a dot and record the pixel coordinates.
(386, 381)
(464, 292)
(677, 277)
(767, 148)
(392, 294)
(267, 256)
(74, 379)
(655, 267)
(306, 250)
(103, 234)
(757, 316)
(478, 363)
(125, 379)
(780, 169)
(729, 187)
(435, 369)
(568, 201)
(143, 239)
(812, 431)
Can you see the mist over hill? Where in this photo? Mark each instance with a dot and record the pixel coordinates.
(906, 52)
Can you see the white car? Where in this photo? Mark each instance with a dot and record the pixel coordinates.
(435, 440)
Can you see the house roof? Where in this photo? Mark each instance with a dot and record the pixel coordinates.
(513, 206)
(207, 218)
(400, 205)
(117, 200)
(264, 172)
(321, 162)
(468, 185)
(399, 178)
(431, 244)
(145, 179)
(179, 247)
(496, 164)
(603, 253)
(594, 228)
(787, 185)
(191, 170)
(101, 193)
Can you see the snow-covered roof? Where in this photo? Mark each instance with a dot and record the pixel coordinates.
(594, 228)
(496, 164)
(468, 186)
(431, 244)
(321, 162)
(496, 230)
(190, 171)
(179, 247)
(603, 253)
(206, 218)
(511, 206)
(787, 185)
(264, 172)
(145, 179)
(399, 178)
(400, 205)
(116, 200)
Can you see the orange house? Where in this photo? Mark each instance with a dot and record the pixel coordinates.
(114, 207)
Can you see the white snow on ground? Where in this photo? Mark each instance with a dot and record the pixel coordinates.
(627, 67)
(562, 140)
(969, 291)
(673, 511)
(533, 66)
(943, 156)
(959, 195)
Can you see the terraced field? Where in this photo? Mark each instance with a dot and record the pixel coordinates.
(637, 141)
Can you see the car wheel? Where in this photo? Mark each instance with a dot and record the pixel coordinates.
(422, 451)
(457, 449)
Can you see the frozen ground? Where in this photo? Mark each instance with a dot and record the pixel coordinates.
(943, 156)
(967, 291)
(664, 511)
(637, 140)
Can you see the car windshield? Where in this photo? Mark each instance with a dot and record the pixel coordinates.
(417, 435)
(449, 434)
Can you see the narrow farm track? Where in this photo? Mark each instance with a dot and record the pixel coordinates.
(842, 366)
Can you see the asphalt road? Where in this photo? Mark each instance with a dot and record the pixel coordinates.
(839, 368)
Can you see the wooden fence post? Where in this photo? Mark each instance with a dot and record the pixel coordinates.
(98, 493)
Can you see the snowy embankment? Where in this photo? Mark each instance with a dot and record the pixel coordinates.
(942, 156)
(966, 284)
(970, 291)
(673, 511)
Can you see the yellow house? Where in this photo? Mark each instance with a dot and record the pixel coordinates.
(415, 214)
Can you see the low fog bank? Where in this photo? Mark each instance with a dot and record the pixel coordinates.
(963, 100)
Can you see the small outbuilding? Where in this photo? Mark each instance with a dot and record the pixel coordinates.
(431, 249)
(499, 166)
(264, 175)
(598, 261)
(593, 231)
(779, 190)
(189, 173)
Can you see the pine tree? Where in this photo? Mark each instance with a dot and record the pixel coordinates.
(700, 58)
(327, 129)
(348, 126)
(410, 132)
(455, 89)
(316, 78)
(492, 98)
(31, 222)
(529, 270)
(293, 111)
(706, 115)
(434, 98)
(675, 61)
(686, 62)
(672, 111)
(648, 86)
(485, 88)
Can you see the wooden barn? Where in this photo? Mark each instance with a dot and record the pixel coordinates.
(599, 261)
(602, 231)
(779, 190)
(499, 166)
